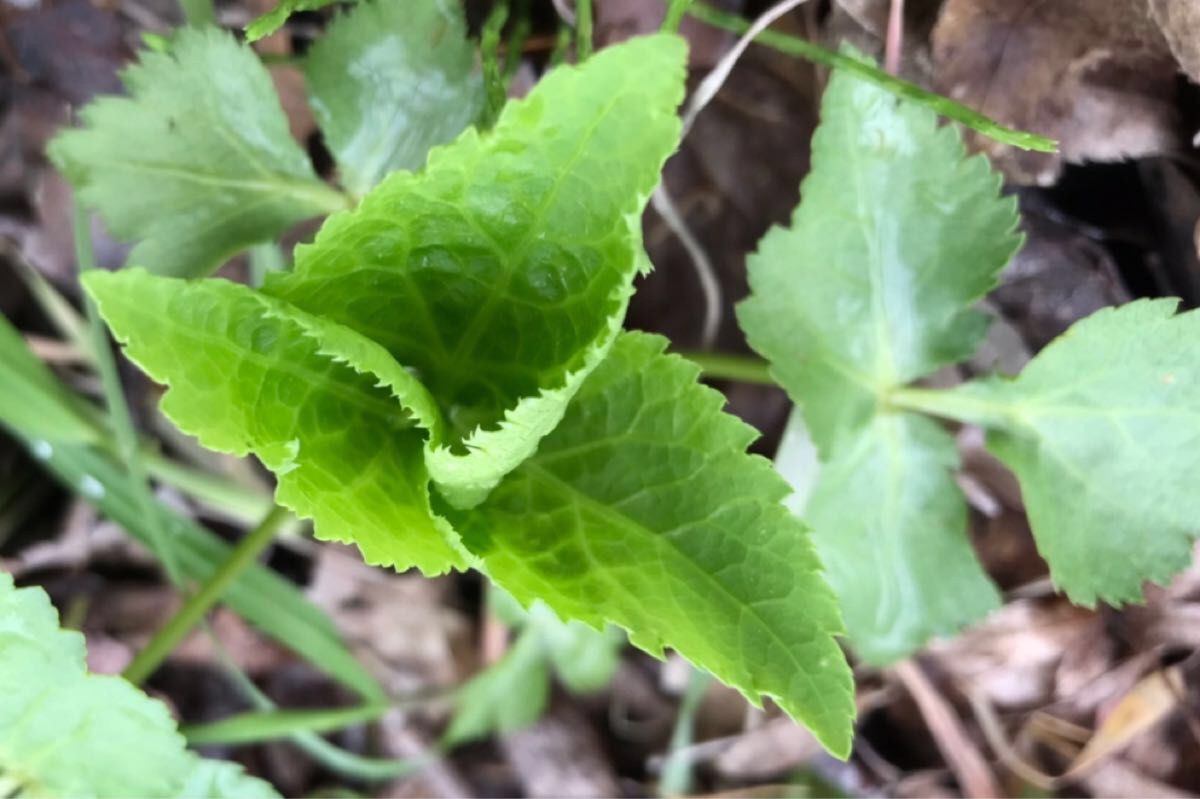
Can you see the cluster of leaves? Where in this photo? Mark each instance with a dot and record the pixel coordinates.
(65, 732)
(870, 289)
(442, 379)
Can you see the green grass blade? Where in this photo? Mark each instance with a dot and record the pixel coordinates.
(901, 88)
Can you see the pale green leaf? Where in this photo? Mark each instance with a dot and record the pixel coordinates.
(871, 286)
(512, 255)
(643, 509)
(1102, 429)
(67, 733)
(220, 779)
(388, 81)
(506, 696)
(197, 163)
(341, 424)
(890, 526)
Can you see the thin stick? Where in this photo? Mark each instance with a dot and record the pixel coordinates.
(974, 776)
(240, 557)
(705, 92)
(715, 79)
(894, 44)
(710, 286)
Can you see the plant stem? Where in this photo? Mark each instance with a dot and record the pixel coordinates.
(267, 725)
(347, 764)
(583, 30)
(494, 83)
(675, 13)
(954, 405)
(120, 419)
(677, 768)
(169, 636)
(890, 83)
(738, 368)
(198, 13)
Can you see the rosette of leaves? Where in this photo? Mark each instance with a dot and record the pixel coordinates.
(67, 733)
(870, 288)
(442, 380)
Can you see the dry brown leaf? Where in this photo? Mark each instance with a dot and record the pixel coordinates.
(1097, 75)
(1150, 701)
(1180, 24)
(1012, 657)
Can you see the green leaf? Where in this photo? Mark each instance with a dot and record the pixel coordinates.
(512, 255)
(274, 19)
(643, 509)
(197, 163)
(272, 604)
(885, 510)
(67, 733)
(871, 288)
(1102, 429)
(499, 275)
(341, 424)
(388, 81)
(506, 696)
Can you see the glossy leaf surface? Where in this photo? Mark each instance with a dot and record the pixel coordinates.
(644, 510)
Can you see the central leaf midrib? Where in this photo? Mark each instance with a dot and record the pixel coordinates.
(482, 318)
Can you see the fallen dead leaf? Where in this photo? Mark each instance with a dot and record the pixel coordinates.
(1097, 75)
(1180, 24)
(1150, 701)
